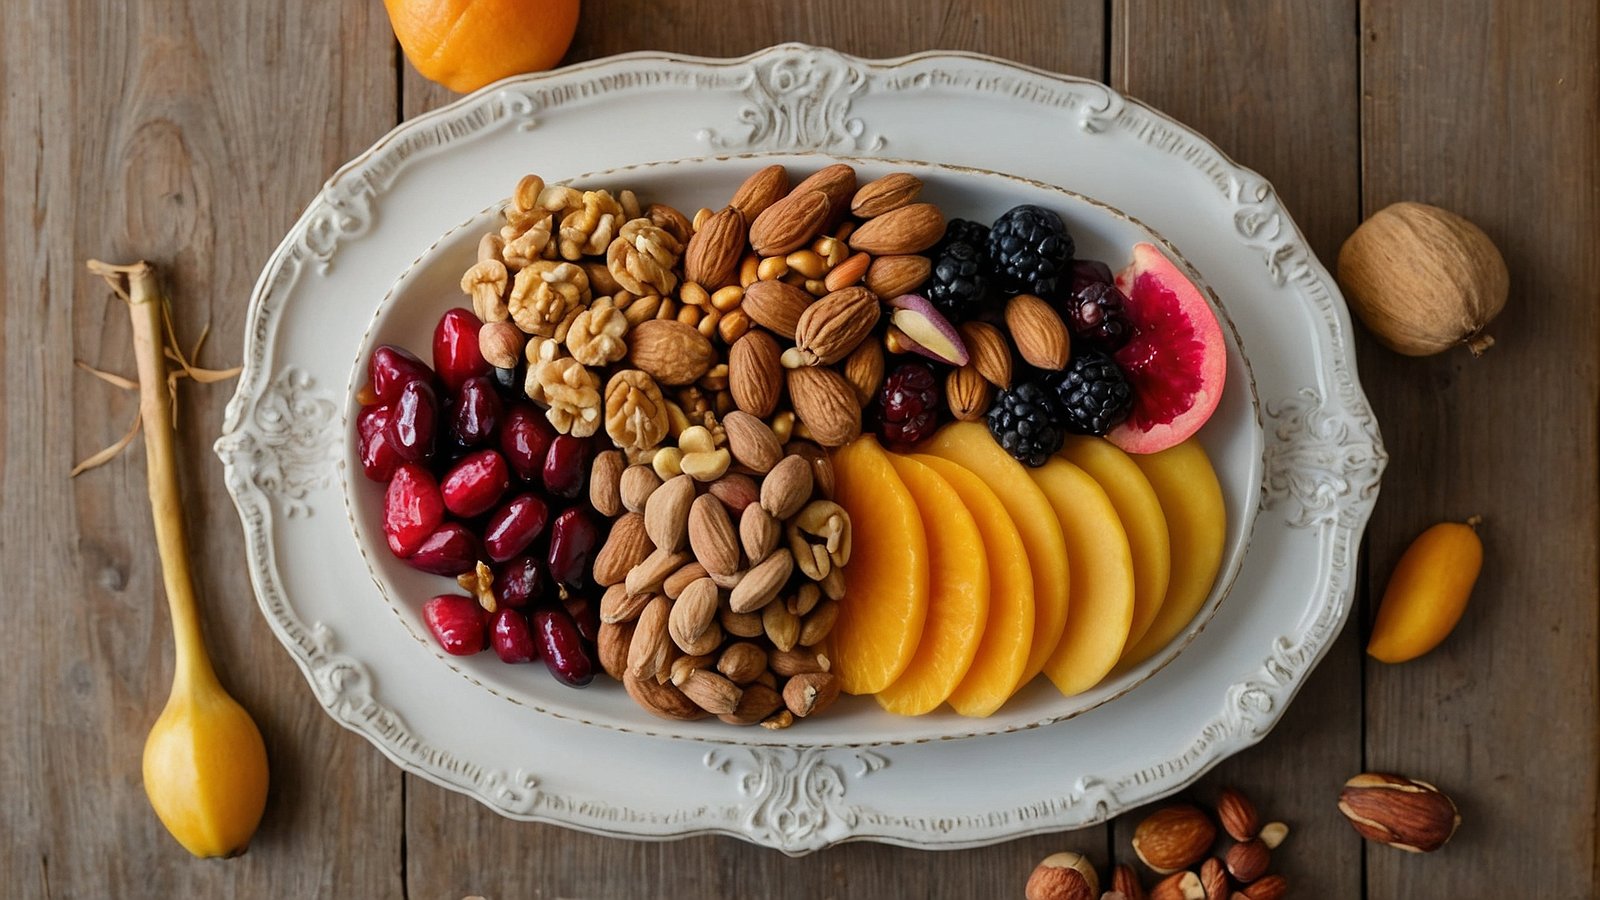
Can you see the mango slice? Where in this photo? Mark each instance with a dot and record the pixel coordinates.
(1427, 592)
(885, 602)
(1102, 578)
(958, 595)
(1002, 655)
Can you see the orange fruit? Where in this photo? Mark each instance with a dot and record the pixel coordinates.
(466, 44)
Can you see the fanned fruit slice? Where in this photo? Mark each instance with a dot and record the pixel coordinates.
(886, 583)
(958, 595)
(1197, 522)
(1141, 515)
(969, 445)
(1102, 578)
(1002, 656)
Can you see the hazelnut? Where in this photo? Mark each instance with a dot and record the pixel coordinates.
(1405, 814)
(1063, 876)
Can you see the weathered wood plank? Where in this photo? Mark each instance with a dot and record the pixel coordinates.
(1491, 110)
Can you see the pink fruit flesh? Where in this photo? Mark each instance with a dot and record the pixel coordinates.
(412, 422)
(456, 622)
(412, 509)
(562, 646)
(378, 457)
(450, 550)
(525, 437)
(455, 348)
(476, 483)
(475, 413)
(512, 638)
(566, 465)
(519, 582)
(392, 368)
(573, 539)
(1176, 361)
(514, 526)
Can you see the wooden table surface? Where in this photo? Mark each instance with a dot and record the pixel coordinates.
(192, 133)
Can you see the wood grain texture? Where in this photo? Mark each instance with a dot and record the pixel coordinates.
(1496, 120)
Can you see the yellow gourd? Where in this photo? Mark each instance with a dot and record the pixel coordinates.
(1427, 592)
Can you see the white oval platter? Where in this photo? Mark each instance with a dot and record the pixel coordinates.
(284, 446)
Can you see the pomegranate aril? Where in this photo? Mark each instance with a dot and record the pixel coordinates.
(520, 582)
(455, 348)
(566, 465)
(525, 437)
(476, 483)
(512, 638)
(562, 646)
(450, 550)
(412, 422)
(412, 509)
(573, 539)
(583, 616)
(456, 622)
(378, 457)
(1089, 271)
(514, 526)
(392, 368)
(475, 413)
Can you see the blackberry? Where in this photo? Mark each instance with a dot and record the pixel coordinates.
(965, 231)
(1023, 421)
(1098, 315)
(908, 406)
(957, 282)
(1031, 252)
(1091, 394)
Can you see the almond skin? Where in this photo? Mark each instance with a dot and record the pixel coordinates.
(909, 229)
(968, 393)
(886, 194)
(1037, 330)
(863, 368)
(1173, 838)
(626, 547)
(789, 224)
(760, 191)
(1403, 813)
(838, 183)
(891, 276)
(1238, 815)
(826, 403)
(755, 375)
(712, 537)
(661, 699)
(712, 257)
(776, 306)
(671, 352)
(811, 693)
(990, 352)
(835, 325)
(752, 443)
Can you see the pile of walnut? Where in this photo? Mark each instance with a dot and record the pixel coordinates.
(720, 355)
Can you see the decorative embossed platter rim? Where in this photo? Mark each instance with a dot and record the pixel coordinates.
(1323, 455)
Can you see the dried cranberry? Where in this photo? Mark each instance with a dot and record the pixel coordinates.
(456, 623)
(450, 550)
(476, 483)
(412, 422)
(475, 413)
(519, 582)
(562, 646)
(566, 465)
(514, 526)
(511, 637)
(1089, 271)
(525, 436)
(392, 368)
(908, 405)
(412, 509)
(573, 539)
(378, 457)
(583, 615)
(455, 348)
(1098, 315)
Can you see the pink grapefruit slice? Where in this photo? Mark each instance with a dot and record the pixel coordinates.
(1176, 362)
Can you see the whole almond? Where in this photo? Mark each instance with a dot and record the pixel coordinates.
(693, 613)
(811, 693)
(501, 344)
(847, 273)
(1248, 860)
(787, 663)
(670, 351)
(1238, 815)
(782, 627)
(617, 606)
(756, 703)
(826, 403)
(891, 276)
(838, 183)
(834, 325)
(863, 368)
(759, 532)
(760, 191)
(1037, 330)
(611, 646)
(1126, 882)
(1179, 886)
(790, 223)
(663, 700)
(882, 195)
(990, 352)
(751, 441)
(736, 491)
(821, 465)
(686, 575)
(711, 536)
(805, 599)
(775, 305)
(648, 576)
(712, 257)
(968, 393)
(761, 584)
(1272, 887)
(787, 488)
(666, 513)
(1214, 879)
(1401, 812)
(755, 376)
(816, 626)
(746, 625)
(648, 652)
(742, 662)
(637, 484)
(626, 546)
(709, 691)
(909, 229)
(605, 483)
(1173, 838)
(683, 664)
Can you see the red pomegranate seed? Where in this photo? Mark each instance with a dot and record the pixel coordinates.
(412, 509)
(475, 413)
(520, 582)
(455, 348)
(450, 550)
(456, 623)
(562, 647)
(414, 415)
(511, 637)
(573, 539)
(514, 526)
(392, 368)
(378, 456)
(566, 465)
(476, 483)
(583, 615)
(525, 436)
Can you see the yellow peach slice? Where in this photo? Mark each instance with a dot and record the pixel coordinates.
(969, 444)
(1102, 578)
(1141, 515)
(1002, 655)
(1197, 523)
(958, 594)
(886, 582)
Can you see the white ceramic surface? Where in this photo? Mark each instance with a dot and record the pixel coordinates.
(285, 445)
